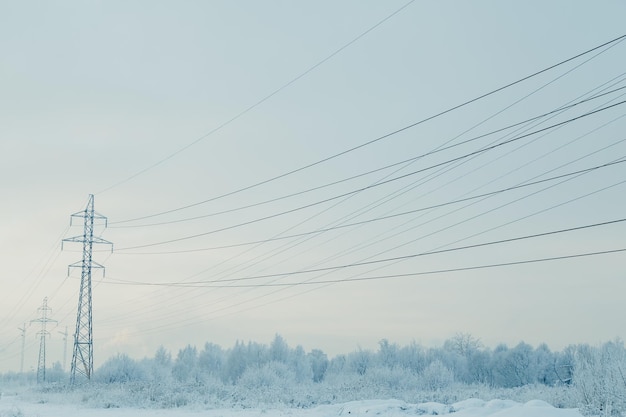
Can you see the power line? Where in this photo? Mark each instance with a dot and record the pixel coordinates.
(482, 150)
(612, 42)
(441, 171)
(412, 159)
(391, 216)
(48, 263)
(377, 261)
(410, 274)
(336, 255)
(264, 99)
(566, 202)
(334, 282)
(358, 275)
(509, 222)
(618, 142)
(497, 208)
(231, 305)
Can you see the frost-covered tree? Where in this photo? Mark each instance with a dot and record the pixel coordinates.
(600, 378)
(452, 360)
(513, 367)
(300, 365)
(272, 382)
(413, 357)
(163, 358)
(436, 376)
(211, 359)
(185, 366)
(337, 364)
(239, 357)
(388, 354)
(119, 369)
(279, 349)
(319, 364)
(258, 354)
(564, 365)
(159, 368)
(359, 361)
(463, 343)
(479, 370)
(55, 373)
(543, 360)
(387, 382)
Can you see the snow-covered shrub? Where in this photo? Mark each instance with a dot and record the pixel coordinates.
(600, 378)
(513, 367)
(359, 361)
(13, 412)
(388, 354)
(185, 367)
(436, 377)
(268, 375)
(300, 365)
(390, 382)
(211, 359)
(119, 369)
(413, 357)
(270, 384)
(543, 365)
(319, 364)
(242, 356)
(279, 350)
(55, 374)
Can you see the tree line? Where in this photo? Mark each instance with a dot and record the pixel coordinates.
(249, 373)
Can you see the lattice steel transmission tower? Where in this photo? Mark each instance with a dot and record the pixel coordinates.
(64, 349)
(82, 356)
(23, 335)
(43, 334)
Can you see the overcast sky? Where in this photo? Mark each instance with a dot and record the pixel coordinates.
(153, 106)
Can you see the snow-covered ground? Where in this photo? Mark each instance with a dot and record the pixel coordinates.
(14, 406)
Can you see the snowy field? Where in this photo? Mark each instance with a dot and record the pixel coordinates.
(15, 406)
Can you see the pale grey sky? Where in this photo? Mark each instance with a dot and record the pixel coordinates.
(93, 93)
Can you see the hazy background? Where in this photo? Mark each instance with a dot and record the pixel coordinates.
(93, 93)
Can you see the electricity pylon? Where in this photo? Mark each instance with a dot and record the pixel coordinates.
(43, 333)
(82, 356)
(23, 334)
(64, 348)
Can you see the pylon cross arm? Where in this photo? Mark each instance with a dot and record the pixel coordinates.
(83, 239)
(75, 239)
(79, 264)
(102, 241)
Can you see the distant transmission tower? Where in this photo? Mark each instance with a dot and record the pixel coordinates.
(82, 356)
(64, 348)
(23, 334)
(43, 334)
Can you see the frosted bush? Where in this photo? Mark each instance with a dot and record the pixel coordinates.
(436, 377)
(120, 369)
(600, 379)
(392, 380)
(14, 412)
(271, 383)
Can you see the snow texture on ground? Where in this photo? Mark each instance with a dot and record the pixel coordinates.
(13, 406)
